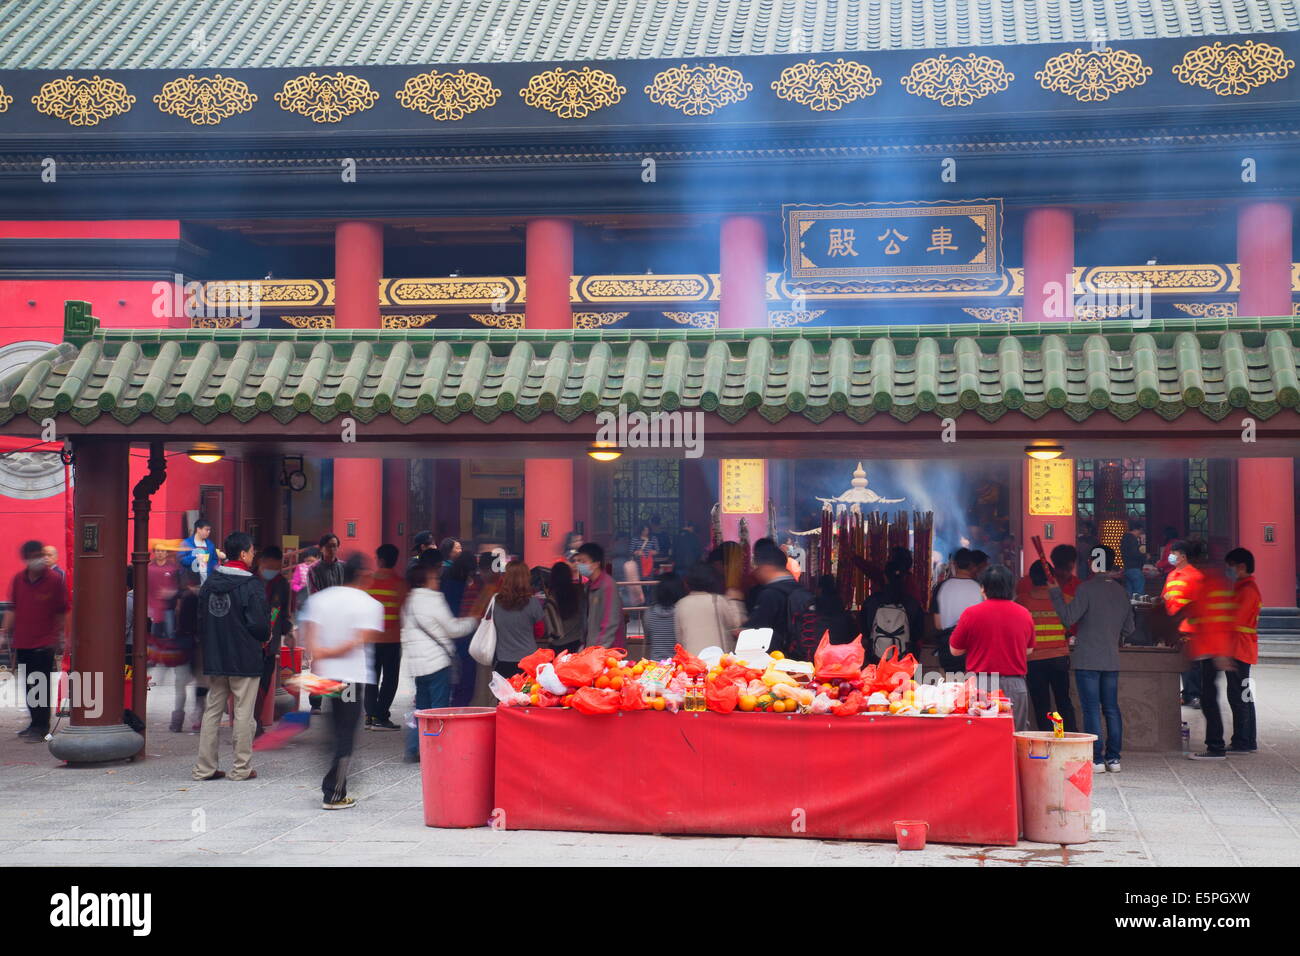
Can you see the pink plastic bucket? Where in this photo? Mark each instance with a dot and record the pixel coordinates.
(911, 834)
(457, 765)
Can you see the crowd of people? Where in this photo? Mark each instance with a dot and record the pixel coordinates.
(220, 616)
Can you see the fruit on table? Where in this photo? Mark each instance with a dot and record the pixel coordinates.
(747, 702)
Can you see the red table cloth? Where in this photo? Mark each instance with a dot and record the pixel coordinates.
(840, 778)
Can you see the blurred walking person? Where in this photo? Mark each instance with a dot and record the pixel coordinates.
(34, 625)
(1203, 599)
(270, 565)
(565, 610)
(234, 625)
(337, 624)
(1244, 652)
(1049, 662)
(389, 589)
(429, 633)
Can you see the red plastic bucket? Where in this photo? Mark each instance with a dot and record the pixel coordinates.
(910, 834)
(457, 765)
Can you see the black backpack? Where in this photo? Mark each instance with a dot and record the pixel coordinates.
(802, 625)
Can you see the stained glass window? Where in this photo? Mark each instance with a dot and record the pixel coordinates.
(1198, 497)
(647, 488)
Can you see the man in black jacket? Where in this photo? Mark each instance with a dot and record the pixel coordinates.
(234, 622)
(780, 600)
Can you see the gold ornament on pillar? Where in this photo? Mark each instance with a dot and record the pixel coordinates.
(596, 320)
(5, 100)
(205, 100)
(406, 321)
(957, 81)
(699, 320)
(572, 94)
(826, 86)
(83, 102)
(502, 320)
(328, 98)
(698, 90)
(448, 97)
(1093, 76)
(1233, 69)
(309, 321)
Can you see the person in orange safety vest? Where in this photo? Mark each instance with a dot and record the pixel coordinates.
(1048, 674)
(1204, 600)
(1245, 653)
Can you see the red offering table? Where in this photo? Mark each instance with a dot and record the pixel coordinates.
(752, 774)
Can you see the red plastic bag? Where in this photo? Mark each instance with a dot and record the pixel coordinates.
(519, 680)
(849, 705)
(689, 663)
(891, 672)
(596, 700)
(735, 674)
(535, 660)
(721, 696)
(631, 697)
(580, 669)
(545, 699)
(842, 661)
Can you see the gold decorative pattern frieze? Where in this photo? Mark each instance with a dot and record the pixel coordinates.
(447, 96)
(1211, 310)
(1208, 278)
(1000, 314)
(309, 321)
(406, 321)
(453, 291)
(910, 288)
(205, 100)
(1233, 69)
(959, 80)
(572, 94)
(215, 321)
(1093, 76)
(790, 318)
(684, 288)
(698, 90)
(84, 101)
(5, 100)
(823, 86)
(699, 320)
(596, 320)
(328, 98)
(500, 320)
(267, 292)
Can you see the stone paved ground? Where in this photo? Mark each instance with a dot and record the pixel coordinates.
(1162, 810)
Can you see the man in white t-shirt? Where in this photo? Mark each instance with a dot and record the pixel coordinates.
(953, 596)
(338, 622)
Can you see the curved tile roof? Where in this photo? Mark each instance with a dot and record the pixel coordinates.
(1170, 368)
(225, 34)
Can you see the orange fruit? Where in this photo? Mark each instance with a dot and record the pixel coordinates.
(765, 700)
(602, 682)
(616, 683)
(777, 656)
(780, 707)
(611, 662)
(532, 699)
(747, 702)
(658, 703)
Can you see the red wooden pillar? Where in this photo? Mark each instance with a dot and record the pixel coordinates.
(1049, 265)
(1266, 489)
(95, 732)
(548, 482)
(743, 305)
(358, 268)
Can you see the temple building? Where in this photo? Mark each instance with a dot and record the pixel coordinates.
(386, 262)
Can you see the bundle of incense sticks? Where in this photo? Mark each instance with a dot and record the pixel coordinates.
(715, 526)
(744, 548)
(826, 541)
(922, 543)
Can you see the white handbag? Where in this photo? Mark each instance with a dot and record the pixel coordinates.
(483, 646)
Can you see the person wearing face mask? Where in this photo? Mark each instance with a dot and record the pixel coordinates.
(269, 565)
(1245, 654)
(34, 624)
(605, 625)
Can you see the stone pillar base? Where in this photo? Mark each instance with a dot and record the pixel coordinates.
(99, 744)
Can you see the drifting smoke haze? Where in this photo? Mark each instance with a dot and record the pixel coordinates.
(946, 488)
